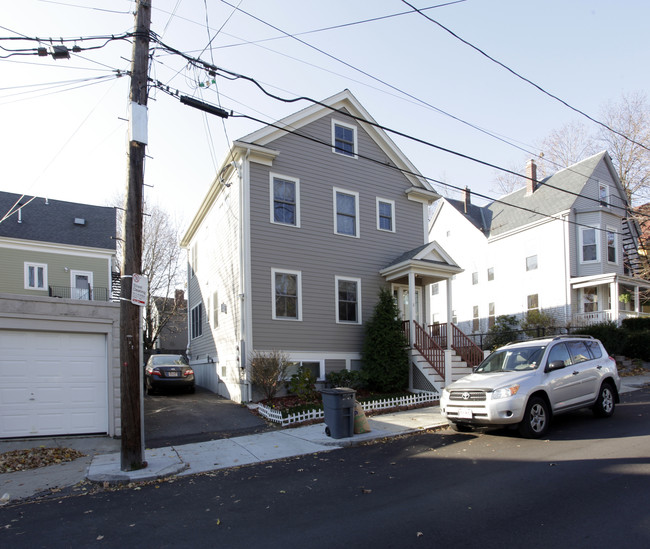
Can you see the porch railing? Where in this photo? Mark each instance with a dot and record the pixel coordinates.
(471, 353)
(88, 294)
(427, 347)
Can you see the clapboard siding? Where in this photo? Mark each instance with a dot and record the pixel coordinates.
(314, 249)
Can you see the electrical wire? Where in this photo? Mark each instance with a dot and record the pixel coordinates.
(293, 131)
(527, 80)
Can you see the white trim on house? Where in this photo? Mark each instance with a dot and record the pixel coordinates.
(391, 203)
(36, 267)
(298, 275)
(348, 126)
(272, 177)
(338, 279)
(355, 194)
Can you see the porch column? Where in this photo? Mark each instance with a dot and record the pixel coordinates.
(449, 313)
(412, 308)
(637, 303)
(613, 292)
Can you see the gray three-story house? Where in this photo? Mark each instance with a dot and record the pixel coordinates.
(304, 223)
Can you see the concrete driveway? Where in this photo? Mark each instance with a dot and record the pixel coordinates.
(179, 418)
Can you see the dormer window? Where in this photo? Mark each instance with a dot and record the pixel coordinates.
(344, 139)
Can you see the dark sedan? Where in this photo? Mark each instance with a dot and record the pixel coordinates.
(168, 372)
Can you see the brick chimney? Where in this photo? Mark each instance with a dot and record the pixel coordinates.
(179, 298)
(531, 177)
(467, 199)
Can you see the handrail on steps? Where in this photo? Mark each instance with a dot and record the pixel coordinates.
(427, 347)
(471, 353)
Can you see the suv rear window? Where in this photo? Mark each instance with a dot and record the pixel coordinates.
(594, 348)
(578, 351)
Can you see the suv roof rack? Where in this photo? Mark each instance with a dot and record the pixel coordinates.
(551, 337)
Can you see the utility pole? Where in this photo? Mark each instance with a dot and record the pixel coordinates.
(132, 457)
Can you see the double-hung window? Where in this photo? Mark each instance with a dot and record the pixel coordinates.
(385, 215)
(589, 245)
(196, 321)
(285, 200)
(611, 246)
(348, 300)
(287, 298)
(35, 276)
(346, 212)
(344, 138)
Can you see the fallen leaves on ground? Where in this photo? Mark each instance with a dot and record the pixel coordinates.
(21, 460)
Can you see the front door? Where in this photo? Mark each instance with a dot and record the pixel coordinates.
(401, 294)
(81, 284)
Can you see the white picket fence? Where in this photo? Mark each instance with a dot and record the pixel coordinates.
(408, 400)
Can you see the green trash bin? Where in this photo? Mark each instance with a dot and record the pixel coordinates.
(338, 405)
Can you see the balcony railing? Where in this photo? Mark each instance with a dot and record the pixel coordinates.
(85, 294)
(596, 317)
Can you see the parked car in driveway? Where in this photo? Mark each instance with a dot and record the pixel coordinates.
(168, 372)
(524, 384)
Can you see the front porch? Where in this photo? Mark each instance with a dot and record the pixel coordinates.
(608, 298)
(436, 359)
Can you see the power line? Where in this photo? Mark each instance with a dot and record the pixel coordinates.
(527, 80)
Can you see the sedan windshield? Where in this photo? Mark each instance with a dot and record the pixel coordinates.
(518, 359)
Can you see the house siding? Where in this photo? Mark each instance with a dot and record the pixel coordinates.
(218, 271)
(314, 249)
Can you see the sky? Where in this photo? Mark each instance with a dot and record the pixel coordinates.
(64, 122)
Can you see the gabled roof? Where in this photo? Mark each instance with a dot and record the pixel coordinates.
(553, 195)
(58, 222)
(429, 260)
(344, 102)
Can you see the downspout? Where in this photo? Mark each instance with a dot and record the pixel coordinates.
(568, 306)
(189, 326)
(244, 178)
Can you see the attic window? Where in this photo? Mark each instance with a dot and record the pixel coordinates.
(79, 221)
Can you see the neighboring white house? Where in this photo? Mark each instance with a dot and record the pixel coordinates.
(565, 245)
(304, 223)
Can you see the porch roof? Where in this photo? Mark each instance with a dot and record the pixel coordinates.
(608, 278)
(430, 262)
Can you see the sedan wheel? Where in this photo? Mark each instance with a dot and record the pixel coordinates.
(536, 419)
(604, 406)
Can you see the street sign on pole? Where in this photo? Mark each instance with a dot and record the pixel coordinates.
(139, 289)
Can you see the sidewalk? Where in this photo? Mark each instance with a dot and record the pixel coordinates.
(102, 461)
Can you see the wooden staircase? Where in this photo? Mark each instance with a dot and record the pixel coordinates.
(428, 356)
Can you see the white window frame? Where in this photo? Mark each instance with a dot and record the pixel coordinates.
(603, 194)
(532, 267)
(296, 182)
(474, 278)
(337, 190)
(596, 243)
(76, 293)
(528, 308)
(352, 127)
(298, 275)
(36, 267)
(297, 363)
(612, 231)
(338, 279)
(392, 214)
(196, 324)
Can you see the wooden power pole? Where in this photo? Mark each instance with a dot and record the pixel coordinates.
(132, 457)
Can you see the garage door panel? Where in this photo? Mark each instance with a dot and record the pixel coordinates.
(59, 384)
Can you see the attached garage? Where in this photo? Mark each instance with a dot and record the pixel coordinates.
(53, 383)
(59, 367)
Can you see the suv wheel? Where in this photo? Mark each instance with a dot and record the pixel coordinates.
(605, 403)
(536, 419)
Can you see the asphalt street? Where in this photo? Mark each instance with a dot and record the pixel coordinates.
(585, 485)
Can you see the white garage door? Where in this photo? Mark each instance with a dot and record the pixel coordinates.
(52, 383)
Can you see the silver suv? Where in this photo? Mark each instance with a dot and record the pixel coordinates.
(525, 383)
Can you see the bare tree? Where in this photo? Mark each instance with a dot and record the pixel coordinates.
(631, 117)
(565, 146)
(161, 264)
